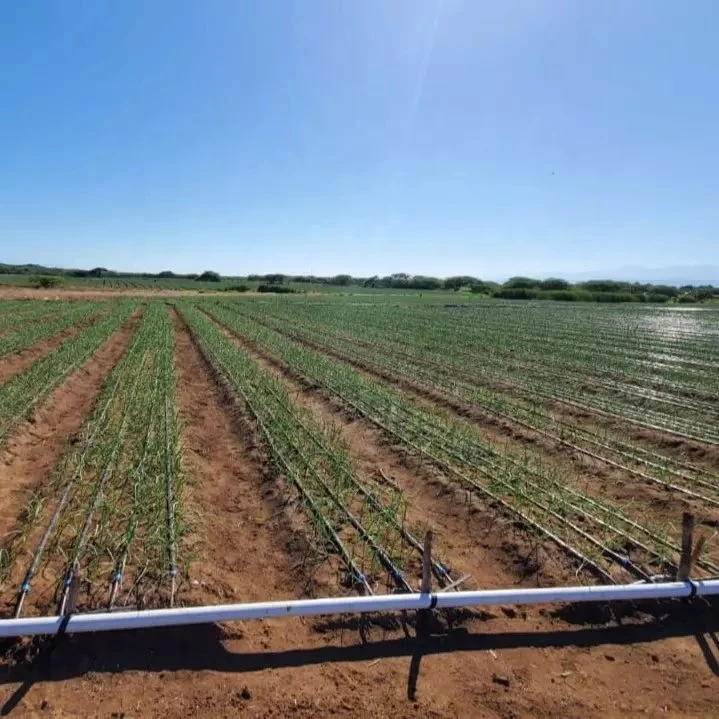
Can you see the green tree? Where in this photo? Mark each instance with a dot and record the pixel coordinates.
(209, 276)
(520, 283)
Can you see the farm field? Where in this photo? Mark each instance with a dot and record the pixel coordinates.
(24, 286)
(116, 284)
(177, 451)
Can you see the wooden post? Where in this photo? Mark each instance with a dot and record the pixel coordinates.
(427, 563)
(685, 561)
(73, 594)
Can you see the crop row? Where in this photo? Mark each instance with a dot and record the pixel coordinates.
(459, 386)
(110, 522)
(599, 533)
(21, 394)
(14, 314)
(501, 351)
(27, 333)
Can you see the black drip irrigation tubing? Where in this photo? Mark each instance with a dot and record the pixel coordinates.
(384, 559)
(484, 407)
(438, 568)
(382, 556)
(447, 467)
(585, 561)
(583, 512)
(620, 559)
(122, 559)
(357, 578)
(99, 490)
(566, 399)
(354, 572)
(623, 562)
(604, 380)
(454, 372)
(529, 365)
(602, 410)
(37, 555)
(358, 360)
(32, 569)
(70, 575)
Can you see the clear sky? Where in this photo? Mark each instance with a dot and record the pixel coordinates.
(366, 136)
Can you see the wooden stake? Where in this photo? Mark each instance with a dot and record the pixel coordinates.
(427, 563)
(73, 594)
(685, 561)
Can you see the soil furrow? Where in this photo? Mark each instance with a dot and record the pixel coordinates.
(244, 548)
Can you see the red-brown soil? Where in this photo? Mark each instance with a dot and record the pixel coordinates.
(233, 503)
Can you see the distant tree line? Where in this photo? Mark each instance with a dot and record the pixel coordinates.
(103, 272)
(526, 288)
(518, 288)
(515, 288)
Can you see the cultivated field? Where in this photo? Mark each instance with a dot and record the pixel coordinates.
(200, 450)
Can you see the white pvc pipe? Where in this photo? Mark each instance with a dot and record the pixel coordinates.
(179, 616)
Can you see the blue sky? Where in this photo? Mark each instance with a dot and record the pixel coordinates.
(376, 136)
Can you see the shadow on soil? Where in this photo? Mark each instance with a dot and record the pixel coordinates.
(201, 647)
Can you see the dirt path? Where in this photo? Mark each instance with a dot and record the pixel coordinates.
(244, 549)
